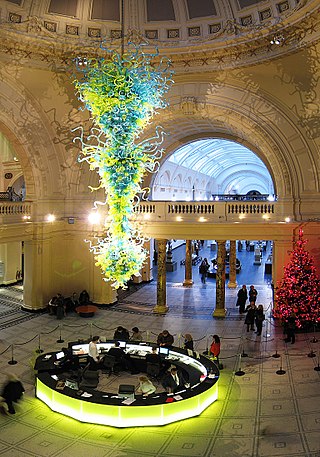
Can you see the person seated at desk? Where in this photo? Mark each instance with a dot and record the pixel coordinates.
(136, 334)
(145, 386)
(121, 334)
(156, 366)
(153, 357)
(122, 358)
(165, 339)
(93, 354)
(174, 381)
(68, 361)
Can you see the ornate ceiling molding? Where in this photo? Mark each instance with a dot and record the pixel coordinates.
(233, 46)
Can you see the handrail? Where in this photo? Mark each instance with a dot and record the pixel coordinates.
(14, 208)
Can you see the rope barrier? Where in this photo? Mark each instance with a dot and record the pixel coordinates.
(26, 342)
(51, 331)
(1, 353)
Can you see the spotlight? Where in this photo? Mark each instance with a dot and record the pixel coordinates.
(277, 39)
(94, 218)
(82, 61)
(51, 217)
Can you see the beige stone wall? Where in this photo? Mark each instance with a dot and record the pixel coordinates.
(270, 107)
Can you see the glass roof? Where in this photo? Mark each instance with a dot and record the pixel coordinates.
(212, 156)
(212, 166)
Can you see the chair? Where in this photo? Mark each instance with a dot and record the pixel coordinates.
(153, 370)
(126, 391)
(109, 364)
(90, 379)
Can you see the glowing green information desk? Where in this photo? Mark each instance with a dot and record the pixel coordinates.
(108, 409)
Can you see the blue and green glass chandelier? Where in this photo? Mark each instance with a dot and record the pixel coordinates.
(122, 91)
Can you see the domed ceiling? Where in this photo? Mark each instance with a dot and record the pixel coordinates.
(165, 22)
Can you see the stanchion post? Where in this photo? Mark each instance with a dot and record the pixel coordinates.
(60, 340)
(12, 361)
(314, 339)
(244, 354)
(39, 350)
(317, 368)
(240, 372)
(281, 371)
(91, 334)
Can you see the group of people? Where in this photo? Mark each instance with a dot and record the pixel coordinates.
(60, 305)
(254, 314)
(172, 378)
(243, 296)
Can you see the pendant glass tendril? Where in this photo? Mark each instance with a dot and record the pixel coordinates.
(122, 93)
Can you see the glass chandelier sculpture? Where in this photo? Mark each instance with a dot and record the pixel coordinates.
(122, 92)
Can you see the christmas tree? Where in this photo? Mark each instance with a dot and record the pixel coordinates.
(299, 290)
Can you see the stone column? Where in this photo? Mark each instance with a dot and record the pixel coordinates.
(161, 306)
(188, 265)
(220, 310)
(232, 284)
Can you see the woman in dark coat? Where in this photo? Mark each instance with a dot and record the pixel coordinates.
(251, 314)
(242, 298)
(260, 317)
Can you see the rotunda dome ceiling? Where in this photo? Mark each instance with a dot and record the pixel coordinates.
(169, 23)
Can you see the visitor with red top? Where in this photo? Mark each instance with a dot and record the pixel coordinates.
(215, 347)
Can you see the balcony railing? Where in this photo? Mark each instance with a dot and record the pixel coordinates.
(204, 211)
(15, 211)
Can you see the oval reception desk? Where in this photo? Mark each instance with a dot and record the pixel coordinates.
(96, 407)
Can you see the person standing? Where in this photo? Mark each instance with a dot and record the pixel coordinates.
(215, 347)
(188, 341)
(242, 298)
(252, 294)
(259, 318)
(291, 329)
(203, 270)
(93, 353)
(251, 313)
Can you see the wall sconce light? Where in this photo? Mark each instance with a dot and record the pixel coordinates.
(94, 218)
(51, 218)
(277, 39)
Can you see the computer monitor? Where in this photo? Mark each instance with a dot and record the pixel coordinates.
(123, 344)
(59, 355)
(164, 352)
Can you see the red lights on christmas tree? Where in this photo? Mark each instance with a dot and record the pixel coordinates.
(299, 290)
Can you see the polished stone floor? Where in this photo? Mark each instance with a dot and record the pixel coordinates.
(259, 414)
